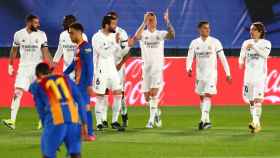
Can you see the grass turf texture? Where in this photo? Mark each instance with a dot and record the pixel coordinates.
(179, 137)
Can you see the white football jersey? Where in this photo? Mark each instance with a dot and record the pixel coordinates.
(255, 60)
(105, 48)
(206, 53)
(152, 48)
(66, 48)
(30, 45)
(123, 43)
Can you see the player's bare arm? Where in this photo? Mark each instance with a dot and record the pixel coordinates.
(47, 55)
(142, 27)
(171, 32)
(13, 55)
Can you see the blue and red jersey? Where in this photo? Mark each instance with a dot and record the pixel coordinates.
(58, 100)
(82, 65)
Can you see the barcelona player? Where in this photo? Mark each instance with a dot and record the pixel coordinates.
(61, 109)
(82, 65)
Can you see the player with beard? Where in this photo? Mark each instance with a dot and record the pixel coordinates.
(105, 46)
(120, 64)
(33, 47)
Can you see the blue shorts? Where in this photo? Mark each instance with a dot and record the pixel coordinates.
(55, 135)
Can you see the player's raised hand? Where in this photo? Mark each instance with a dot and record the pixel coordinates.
(131, 41)
(190, 73)
(249, 46)
(166, 16)
(229, 79)
(145, 21)
(10, 70)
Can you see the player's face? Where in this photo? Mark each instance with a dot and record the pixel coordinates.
(74, 35)
(204, 30)
(255, 34)
(112, 27)
(152, 22)
(34, 25)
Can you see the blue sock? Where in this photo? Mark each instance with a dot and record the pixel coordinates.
(90, 123)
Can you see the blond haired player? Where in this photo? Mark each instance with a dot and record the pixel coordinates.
(33, 47)
(254, 54)
(206, 49)
(152, 52)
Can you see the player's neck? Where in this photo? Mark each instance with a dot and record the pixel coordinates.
(204, 38)
(153, 29)
(80, 41)
(28, 30)
(106, 32)
(256, 39)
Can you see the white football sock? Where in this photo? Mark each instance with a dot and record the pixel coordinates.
(205, 109)
(124, 108)
(153, 108)
(105, 108)
(116, 107)
(16, 104)
(258, 108)
(99, 109)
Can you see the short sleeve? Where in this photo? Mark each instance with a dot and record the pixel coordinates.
(16, 42)
(219, 47)
(44, 40)
(162, 34)
(85, 37)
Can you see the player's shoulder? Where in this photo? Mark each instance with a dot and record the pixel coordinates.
(86, 47)
(64, 34)
(195, 41)
(266, 42)
(21, 31)
(247, 41)
(214, 40)
(41, 32)
(97, 34)
(120, 30)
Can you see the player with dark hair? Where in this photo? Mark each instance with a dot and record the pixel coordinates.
(120, 59)
(66, 47)
(82, 66)
(62, 111)
(107, 45)
(205, 49)
(33, 47)
(254, 54)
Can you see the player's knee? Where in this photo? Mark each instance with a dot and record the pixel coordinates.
(258, 101)
(147, 96)
(153, 92)
(18, 93)
(117, 92)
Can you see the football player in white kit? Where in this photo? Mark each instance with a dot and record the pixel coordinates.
(33, 47)
(105, 46)
(120, 63)
(66, 47)
(152, 52)
(254, 54)
(206, 49)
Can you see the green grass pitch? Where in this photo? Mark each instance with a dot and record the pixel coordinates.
(178, 138)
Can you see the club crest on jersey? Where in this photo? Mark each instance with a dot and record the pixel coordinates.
(197, 48)
(146, 38)
(97, 81)
(157, 38)
(209, 47)
(23, 40)
(87, 50)
(36, 40)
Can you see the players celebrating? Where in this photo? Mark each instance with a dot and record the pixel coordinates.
(33, 47)
(66, 47)
(152, 52)
(82, 65)
(60, 107)
(205, 49)
(254, 54)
